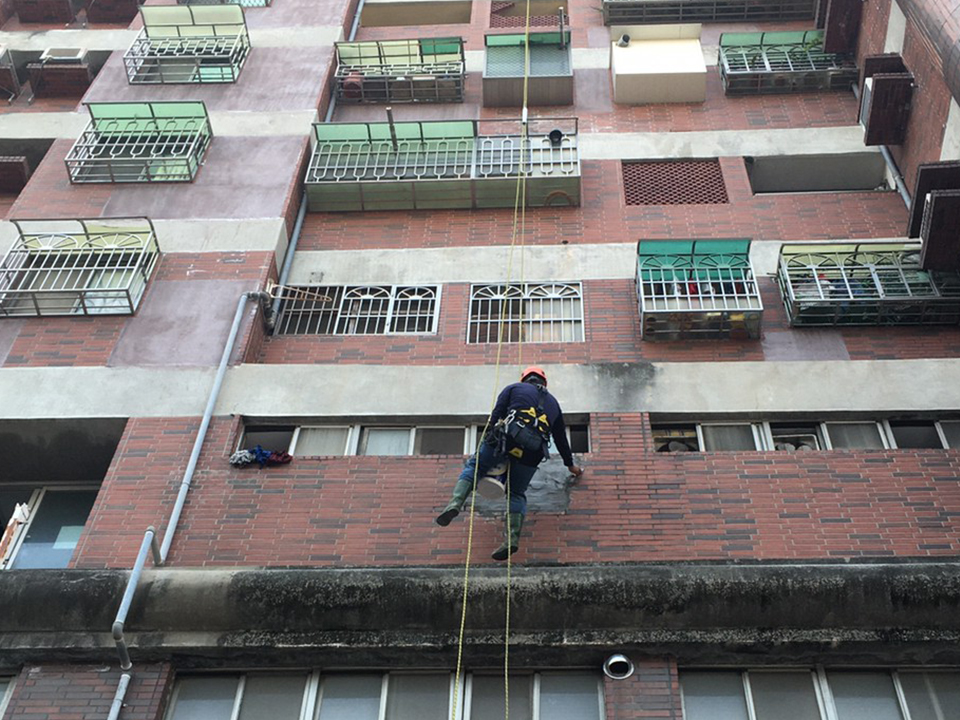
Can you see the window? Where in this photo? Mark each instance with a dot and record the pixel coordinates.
(915, 434)
(356, 310)
(803, 694)
(43, 525)
(791, 437)
(393, 696)
(855, 435)
(734, 436)
(679, 438)
(951, 432)
(319, 441)
(81, 267)
(530, 313)
(269, 437)
(6, 690)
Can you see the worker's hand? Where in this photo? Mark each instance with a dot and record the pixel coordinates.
(576, 471)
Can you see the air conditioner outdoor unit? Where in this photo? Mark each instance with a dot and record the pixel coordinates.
(64, 56)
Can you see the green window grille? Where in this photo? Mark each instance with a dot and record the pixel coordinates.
(77, 267)
(647, 12)
(140, 142)
(400, 71)
(442, 164)
(782, 62)
(864, 284)
(697, 289)
(186, 44)
(241, 3)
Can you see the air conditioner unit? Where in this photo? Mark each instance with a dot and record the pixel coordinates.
(64, 56)
(791, 442)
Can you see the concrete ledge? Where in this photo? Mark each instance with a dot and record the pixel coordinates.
(886, 612)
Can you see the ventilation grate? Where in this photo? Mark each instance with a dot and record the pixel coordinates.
(680, 182)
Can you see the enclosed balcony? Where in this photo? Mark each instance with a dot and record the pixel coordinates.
(184, 44)
(550, 81)
(443, 164)
(782, 62)
(400, 71)
(690, 289)
(653, 12)
(865, 284)
(140, 142)
(77, 267)
(241, 3)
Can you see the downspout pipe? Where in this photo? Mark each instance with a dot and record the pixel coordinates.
(119, 696)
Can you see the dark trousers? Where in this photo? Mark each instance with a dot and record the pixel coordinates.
(519, 475)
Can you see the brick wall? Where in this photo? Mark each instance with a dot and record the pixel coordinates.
(651, 693)
(60, 79)
(633, 505)
(77, 692)
(111, 11)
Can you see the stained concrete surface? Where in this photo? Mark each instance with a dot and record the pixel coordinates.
(57, 451)
(811, 344)
(9, 330)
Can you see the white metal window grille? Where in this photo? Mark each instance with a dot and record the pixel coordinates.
(81, 267)
(359, 310)
(818, 694)
(548, 312)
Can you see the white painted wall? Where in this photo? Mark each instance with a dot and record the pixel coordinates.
(950, 150)
(896, 29)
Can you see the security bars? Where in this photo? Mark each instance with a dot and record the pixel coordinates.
(400, 71)
(641, 12)
(359, 310)
(781, 62)
(188, 45)
(548, 312)
(77, 267)
(864, 284)
(242, 3)
(550, 77)
(442, 164)
(140, 142)
(697, 289)
(9, 82)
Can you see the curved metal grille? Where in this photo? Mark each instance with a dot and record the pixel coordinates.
(359, 310)
(546, 312)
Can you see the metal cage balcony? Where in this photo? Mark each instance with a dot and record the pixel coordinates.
(241, 3)
(443, 164)
(400, 71)
(188, 45)
(649, 12)
(689, 289)
(781, 62)
(550, 80)
(77, 267)
(865, 284)
(140, 142)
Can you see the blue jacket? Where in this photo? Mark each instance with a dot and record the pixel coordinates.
(524, 395)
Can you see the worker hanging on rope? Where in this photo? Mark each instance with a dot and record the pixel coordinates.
(518, 434)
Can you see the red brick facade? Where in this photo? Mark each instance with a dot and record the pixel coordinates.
(651, 693)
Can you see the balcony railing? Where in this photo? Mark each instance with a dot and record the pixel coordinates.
(77, 267)
(241, 3)
(188, 45)
(550, 78)
(400, 71)
(648, 12)
(865, 284)
(141, 142)
(697, 289)
(442, 164)
(782, 62)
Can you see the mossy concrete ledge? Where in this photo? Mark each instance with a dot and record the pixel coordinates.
(874, 612)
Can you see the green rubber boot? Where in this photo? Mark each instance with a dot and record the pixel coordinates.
(511, 544)
(460, 492)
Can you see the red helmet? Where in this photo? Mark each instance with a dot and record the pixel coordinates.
(533, 370)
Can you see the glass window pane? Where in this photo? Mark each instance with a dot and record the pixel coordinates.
(269, 438)
(487, 693)
(784, 696)
(322, 441)
(55, 530)
(5, 683)
(205, 698)
(350, 697)
(418, 697)
(854, 435)
(729, 437)
(569, 696)
(864, 696)
(916, 435)
(385, 441)
(439, 441)
(713, 696)
(951, 429)
(928, 693)
(278, 697)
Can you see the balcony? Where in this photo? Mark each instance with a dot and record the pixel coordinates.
(443, 164)
(400, 71)
(653, 12)
(697, 289)
(241, 3)
(140, 142)
(77, 267)
(188, 45)
(865, 284)
(550, 80)
(782, 62)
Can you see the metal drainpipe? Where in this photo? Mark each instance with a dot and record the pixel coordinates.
(891, 164)
(121, 693)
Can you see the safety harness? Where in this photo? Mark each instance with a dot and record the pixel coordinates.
(525, 432)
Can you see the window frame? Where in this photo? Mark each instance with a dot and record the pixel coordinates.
(350, 441)
(8, 693)
(881, 430)
(759, 439)
(522, 324)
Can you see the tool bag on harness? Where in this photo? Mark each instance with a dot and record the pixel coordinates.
(525, 433)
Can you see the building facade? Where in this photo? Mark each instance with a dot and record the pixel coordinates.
(328, 229)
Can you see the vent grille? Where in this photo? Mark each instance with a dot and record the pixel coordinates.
(681, 182)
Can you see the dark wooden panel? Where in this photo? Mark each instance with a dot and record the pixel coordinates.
(941, 231)
(889, 111)
(842, 26)
(930, 177)
(875, 64)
